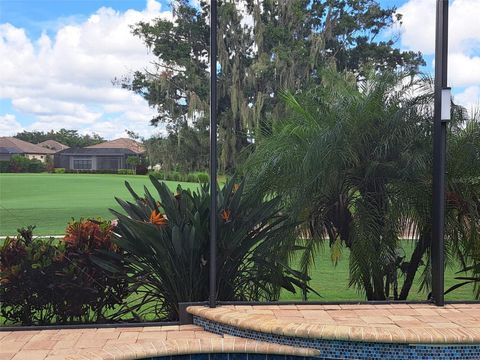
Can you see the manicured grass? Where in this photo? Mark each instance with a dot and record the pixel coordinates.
(49, 201)
(332, 281)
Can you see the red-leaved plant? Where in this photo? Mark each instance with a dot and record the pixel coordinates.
(54, 281)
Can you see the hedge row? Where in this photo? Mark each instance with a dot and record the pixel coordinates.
(177, 176)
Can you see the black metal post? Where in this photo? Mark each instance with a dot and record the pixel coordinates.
(213, 153)
(439, 155)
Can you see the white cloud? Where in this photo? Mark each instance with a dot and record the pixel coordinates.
(9, 125)
(463, 70)
(65, 80)
(418, 34)
(418, 29)
(469, 98)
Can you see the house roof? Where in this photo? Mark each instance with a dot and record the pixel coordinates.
(53, 145)
(11, 145)
(9, 150)
(88, 151)
(121, 143)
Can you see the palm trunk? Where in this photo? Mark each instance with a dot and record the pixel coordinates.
(415, 260)
(368, 288)
(375, 198)
(379, 291)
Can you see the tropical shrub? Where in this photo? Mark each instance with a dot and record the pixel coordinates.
(141, 169)
(19, 163)
(353, 162)
(166, 244)
(54, 281)
(36, 166)
(91, 292)
(22, 164)
(132, 161)
(28, 279)
(59, 170)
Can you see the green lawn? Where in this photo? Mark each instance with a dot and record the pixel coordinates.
(332, 282)
(49, 201)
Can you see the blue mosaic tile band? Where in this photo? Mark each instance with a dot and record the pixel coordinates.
(337, 349)
(232, 356)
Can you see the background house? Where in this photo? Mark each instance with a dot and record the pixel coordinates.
(110, 155)
(10, 146)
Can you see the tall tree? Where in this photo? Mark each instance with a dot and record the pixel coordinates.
(264, 46)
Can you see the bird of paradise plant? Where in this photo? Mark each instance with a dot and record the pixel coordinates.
(168, 264)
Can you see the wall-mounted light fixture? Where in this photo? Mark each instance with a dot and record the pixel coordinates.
(446, 104)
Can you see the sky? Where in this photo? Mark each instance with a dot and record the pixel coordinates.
(58, 59)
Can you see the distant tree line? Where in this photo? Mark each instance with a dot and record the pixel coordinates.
(70, 138)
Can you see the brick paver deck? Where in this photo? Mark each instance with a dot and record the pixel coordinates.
(395, 323)
(128, 343)
(401, 323)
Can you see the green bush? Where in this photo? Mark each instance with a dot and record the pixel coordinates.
(19, 164)
(59, 170)
(48, 281)
(36, 166)
(191, 178)
(126, 171)
(22, 164)
(167, 248)
(203, 178)
(4, 166)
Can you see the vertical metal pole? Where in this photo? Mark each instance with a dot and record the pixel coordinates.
(439, 155)
(213, 153)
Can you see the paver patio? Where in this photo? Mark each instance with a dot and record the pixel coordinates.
(127, 343)
(402, 323)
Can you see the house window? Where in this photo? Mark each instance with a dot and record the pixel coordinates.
(82, 164)
(108, 162)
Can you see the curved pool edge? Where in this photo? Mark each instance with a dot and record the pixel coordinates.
(163, 348)
(268, 324)
(347, 349)
(337, 338)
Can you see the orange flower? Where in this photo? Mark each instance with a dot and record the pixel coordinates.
(157, 218)
(226, 215)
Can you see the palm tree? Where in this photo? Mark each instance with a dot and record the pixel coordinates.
(353, 162)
